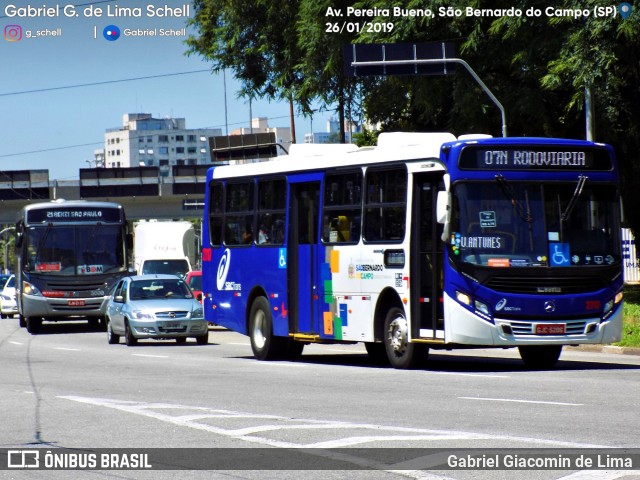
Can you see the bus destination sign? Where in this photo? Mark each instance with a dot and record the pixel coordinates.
(73, 214)
(534, 158)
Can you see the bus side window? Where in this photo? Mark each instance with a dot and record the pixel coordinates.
(342, 207)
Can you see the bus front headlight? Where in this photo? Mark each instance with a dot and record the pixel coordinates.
(30, 289)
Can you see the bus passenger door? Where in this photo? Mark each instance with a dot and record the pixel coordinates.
(303, 238)
(427, 256)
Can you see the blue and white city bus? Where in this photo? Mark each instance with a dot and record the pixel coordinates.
(424, 241)
(69, 255)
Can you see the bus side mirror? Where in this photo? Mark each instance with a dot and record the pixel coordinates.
(443, 213)
(19, 239)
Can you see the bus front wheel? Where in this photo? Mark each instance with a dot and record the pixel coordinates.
(400, 352)
(540, 357)
(33, 324)
(265, 345)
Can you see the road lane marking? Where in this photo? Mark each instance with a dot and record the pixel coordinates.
(195, 417)
(67, 349)
(513, 400)
(16, 343)
(149, 356)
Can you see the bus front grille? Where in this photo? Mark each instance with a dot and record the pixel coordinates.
(545, 286)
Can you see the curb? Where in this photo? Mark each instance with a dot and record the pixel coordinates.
(607, 349)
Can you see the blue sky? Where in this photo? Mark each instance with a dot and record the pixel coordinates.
(42, 129)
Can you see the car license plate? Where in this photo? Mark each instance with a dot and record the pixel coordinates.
(550, 329)
(75, 303)
(169, 325)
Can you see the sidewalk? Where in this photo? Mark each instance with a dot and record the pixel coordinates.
(607, 349)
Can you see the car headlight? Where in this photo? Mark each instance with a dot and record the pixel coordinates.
(197, 313)
(29, 289)
(142, 315)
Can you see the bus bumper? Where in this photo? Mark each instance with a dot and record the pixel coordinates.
(58, 308)
(466, 328)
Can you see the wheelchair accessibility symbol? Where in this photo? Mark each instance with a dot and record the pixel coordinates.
(282, 258)
(559, 255)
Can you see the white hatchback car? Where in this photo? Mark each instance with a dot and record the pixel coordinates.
(157, 307)
(8, 304)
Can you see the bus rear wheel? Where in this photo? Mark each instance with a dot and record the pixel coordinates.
(265, 345)
(400, 352)
(540, 357)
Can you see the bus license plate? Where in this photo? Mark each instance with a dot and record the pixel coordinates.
(75, 303)
(550, 329)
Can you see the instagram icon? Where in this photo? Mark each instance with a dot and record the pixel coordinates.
(13, 33)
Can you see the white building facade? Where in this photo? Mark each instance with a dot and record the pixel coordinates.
(156, 142)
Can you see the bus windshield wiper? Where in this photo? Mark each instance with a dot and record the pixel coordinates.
(582, 179)
(507, 190)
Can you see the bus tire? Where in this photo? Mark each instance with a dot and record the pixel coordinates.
(294, 349)
(377, 353)
(400, 352)
(22, 321)
(33, 325)
(540, 357)
(129, 339)
(112, 338)
(265, 345)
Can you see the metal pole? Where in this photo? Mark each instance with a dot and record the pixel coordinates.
(443, 61)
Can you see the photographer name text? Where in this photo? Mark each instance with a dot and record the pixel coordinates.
(93, 11)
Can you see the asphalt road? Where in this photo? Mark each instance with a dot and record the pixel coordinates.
(67, 388)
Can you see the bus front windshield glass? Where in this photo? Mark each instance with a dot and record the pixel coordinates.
(503, 223)
(75, 250)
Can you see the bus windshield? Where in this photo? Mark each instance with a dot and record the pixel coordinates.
(75, 250)
(501, 223)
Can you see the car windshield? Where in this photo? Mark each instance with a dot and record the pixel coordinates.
(159, 289)
(195, 282)
(529, 224)
(170, 267)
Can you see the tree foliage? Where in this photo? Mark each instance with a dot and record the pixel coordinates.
(537, 66)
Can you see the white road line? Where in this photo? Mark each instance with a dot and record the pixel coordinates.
(67, 349)
(602, 475)
(149, 356)
(523, 401)
(279, 423)
(16, 343)
(485, 375)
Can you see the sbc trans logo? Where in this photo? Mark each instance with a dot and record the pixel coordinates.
(111, 33)
(13, 33)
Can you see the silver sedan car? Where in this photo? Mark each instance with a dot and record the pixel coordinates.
(154, 306)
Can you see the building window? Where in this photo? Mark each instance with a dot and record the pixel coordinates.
(150, 151)
(163, 150)
(141, 151)
(191, 149)
(163, 138)
(191, 138)
(203, 138)
(149, 139)
(179, 138)
(179, 149)
(203, 150)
